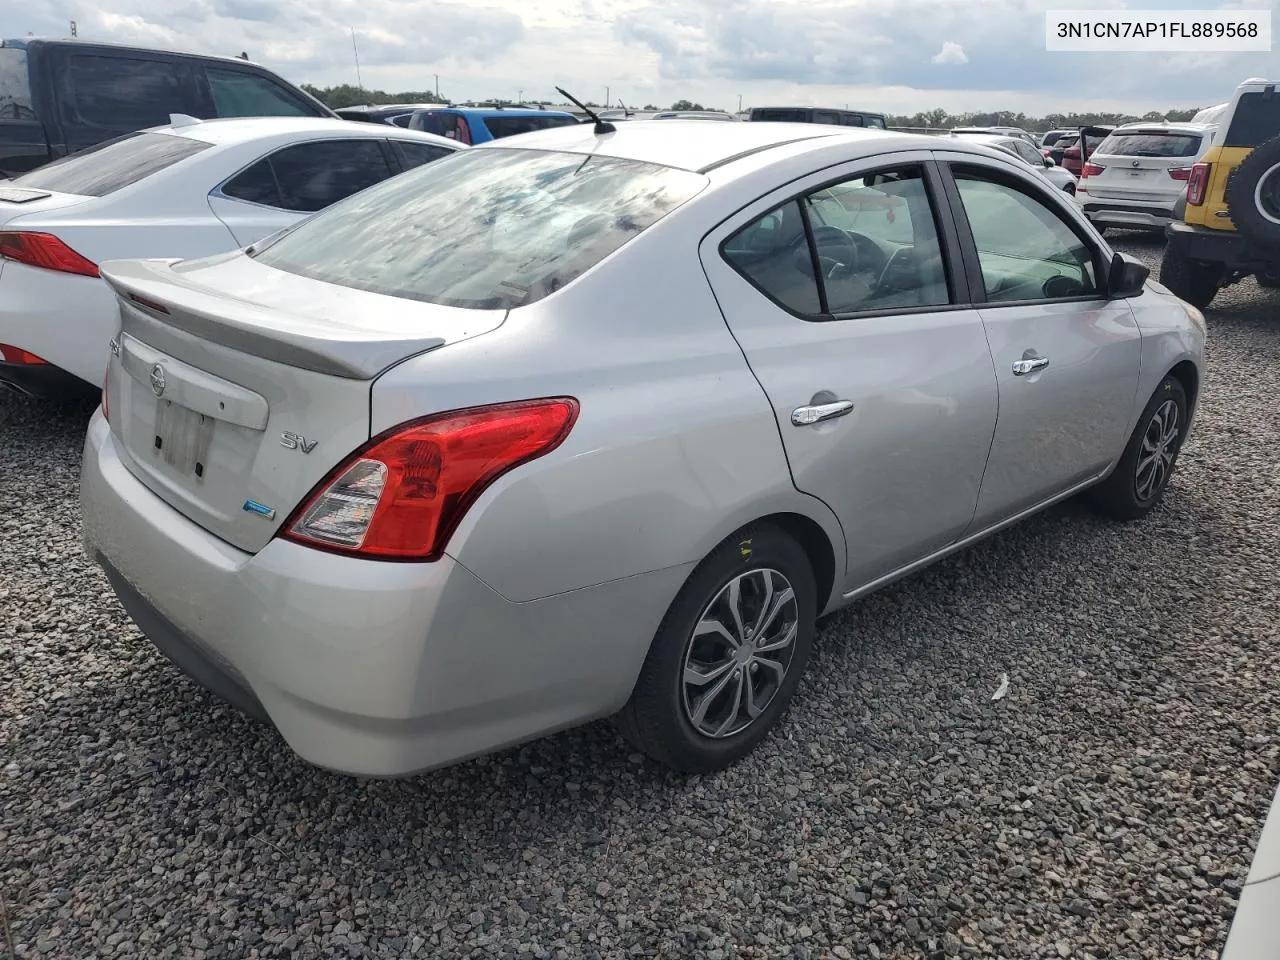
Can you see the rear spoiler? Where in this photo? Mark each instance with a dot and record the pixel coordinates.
(356, 351)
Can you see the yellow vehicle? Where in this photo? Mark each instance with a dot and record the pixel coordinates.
(1229, 226)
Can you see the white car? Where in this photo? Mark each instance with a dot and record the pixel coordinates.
(1137, 175)
(1060, 177)
(189, 189)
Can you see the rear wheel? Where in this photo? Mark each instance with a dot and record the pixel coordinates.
(1138, 482)
(728, 655)
(1195, 281)
(1270, 280)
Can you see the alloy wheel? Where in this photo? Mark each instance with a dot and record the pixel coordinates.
(739, 653)
(1155, 456)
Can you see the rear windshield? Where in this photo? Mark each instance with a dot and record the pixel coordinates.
(487, 229)
(1150, 145)
(15, 88)
(509, 126)
(1257, 119)
(112, 165)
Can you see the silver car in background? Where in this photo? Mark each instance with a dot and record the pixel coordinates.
(600, 423)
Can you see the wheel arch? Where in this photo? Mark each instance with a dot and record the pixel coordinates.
(1187, 374)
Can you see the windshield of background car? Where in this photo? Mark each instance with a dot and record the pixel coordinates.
(487, 229)
(111, 166)
(1149, 144)
(510, 126)
(1256, 120)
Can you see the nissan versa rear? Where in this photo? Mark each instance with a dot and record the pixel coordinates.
(601, 422)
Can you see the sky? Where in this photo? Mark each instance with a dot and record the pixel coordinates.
(894, 56)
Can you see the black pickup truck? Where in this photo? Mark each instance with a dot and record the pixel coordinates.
(59, 96)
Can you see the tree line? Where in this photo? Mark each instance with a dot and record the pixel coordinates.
(348, 95)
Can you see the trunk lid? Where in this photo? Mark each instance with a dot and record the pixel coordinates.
(17, 201)
(234, 388)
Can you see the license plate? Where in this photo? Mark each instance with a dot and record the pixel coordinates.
(182, 438)
(1138, 173)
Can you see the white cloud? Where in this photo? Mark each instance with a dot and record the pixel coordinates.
(951, 53)
(875, 54)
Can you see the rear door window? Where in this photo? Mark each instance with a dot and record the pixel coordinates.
(510, 126)
(484, 229)
(307, 177)
(1150, 145)
(237, 93)
(412, 154)
(15, 86)
(851, 120)
(826, 116)
(780, 115)
(122, 94)
(1256, 120)
(877, 122)
(112, 165)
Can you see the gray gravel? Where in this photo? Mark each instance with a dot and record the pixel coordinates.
(1107, 807)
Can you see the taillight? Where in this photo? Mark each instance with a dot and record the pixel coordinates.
(401, 496)
(1090, 170)
(1197, 183)
(1180, 173)
(12, 354)
(44, 250)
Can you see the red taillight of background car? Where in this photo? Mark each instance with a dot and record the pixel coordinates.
(12, 354)
(401, 496)
(1197, 183)
(1091, 170)
(1180, 173)
(44, 250)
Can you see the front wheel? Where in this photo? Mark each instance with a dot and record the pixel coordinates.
(1194, 281)
(728, 655)
(1138, 482)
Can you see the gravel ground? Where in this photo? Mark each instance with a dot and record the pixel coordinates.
(1107, 807)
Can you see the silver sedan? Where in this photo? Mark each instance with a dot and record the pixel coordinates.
(599, 423)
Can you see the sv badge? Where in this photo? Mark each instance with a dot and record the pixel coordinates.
(294, 441)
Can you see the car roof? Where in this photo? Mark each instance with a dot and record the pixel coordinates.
(700, 144)
(226, 131)
(501, 111)
(1163, 127)
(984, 136)
(25, 42)
(874, 113)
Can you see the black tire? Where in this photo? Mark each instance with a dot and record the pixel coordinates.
(1268, 281)
(1195, 281)
(659, 717)
(1122, 495)
(1255, 215)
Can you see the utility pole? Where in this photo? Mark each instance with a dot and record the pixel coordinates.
(739, 103)
(519, 96)
(73, 28)
(606, 96)
(437, 76)
(356, 51)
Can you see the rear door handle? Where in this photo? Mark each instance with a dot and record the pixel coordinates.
(1022, 367)
(816, 413)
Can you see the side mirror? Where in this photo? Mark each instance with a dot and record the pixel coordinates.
(1050, 162)
(1127, 276)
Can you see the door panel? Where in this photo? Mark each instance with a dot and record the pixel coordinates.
(1066, 422)
(903, 466)
(1066, 357)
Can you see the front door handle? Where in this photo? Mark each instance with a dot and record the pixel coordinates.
(1029, 365)
(816, 413)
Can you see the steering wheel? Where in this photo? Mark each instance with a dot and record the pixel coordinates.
(837, 242)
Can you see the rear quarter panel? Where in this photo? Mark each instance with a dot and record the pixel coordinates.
(675, 448)
(1213, 212)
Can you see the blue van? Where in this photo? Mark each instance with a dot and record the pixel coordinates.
(479, 124)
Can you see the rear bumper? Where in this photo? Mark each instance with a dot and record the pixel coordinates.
(65, 319)
(369, 668)
(1140, 214)
(43, 381)
(1213, 246)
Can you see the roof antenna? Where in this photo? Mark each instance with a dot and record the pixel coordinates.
(625, 112)
(602, 126)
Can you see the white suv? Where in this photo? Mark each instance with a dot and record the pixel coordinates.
(1137, 174)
